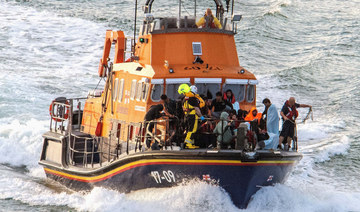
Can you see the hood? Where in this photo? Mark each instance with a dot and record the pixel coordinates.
(252, 109)
(224, 116)
(250, 116)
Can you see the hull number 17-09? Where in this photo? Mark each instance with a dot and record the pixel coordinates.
(163, 176)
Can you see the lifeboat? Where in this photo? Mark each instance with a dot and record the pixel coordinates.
(100, 140)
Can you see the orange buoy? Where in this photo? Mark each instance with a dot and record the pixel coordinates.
(58, 119)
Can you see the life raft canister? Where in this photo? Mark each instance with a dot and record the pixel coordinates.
(60, 109)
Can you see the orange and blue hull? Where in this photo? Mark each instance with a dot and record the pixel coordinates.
(240, 175)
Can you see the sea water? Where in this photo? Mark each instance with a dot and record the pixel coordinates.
(301, 48)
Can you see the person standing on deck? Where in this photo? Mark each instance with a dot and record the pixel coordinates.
(272, 124)
(169, 105)
(289, 115)
(192, 112)
(154, 113)
(208, 20)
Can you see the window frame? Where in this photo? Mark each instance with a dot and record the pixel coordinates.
(152, 92)
(145, 92)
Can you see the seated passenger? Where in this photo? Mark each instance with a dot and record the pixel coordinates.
(206, 109)
(218, 105)
(242, 114)
(234, 120)
(205, 137)
(229, 96)
(208, 20)
(262, 136)
(253, 114)
(223, 130)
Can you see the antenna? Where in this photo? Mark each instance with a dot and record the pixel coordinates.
(232, 8)
(133, 47)
(179, 19)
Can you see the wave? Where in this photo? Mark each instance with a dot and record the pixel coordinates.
(46, 50)
(194, 196)
(308, 198)
(277, 9)
(21, 143)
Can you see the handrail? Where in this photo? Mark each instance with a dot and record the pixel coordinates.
(97, 150)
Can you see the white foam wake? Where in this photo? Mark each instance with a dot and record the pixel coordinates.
(305, 198)
(20, 143)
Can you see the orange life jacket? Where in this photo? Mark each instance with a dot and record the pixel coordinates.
(232, 98)
(251, 117)
(212, 24)
(293, 113)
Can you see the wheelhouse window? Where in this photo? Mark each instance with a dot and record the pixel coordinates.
(115, 90)
(133, 89)
(172, 86)
(121, 90)
(208, 89)
(156, 91)
(250, 96)
(139, 90)
(237, 89)
(172, 91)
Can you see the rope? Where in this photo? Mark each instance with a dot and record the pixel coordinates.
(308, 115)
(97, 84)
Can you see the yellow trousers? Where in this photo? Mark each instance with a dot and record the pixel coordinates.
(192, 126)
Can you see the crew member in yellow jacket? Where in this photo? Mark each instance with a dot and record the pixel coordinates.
(192, 113)
(213, 22)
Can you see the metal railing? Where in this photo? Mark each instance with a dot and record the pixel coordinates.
(126, 138)
(129, 42)
(83, 150)
(61, 115)
(162, 132)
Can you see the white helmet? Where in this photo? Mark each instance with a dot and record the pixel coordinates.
(194, 89)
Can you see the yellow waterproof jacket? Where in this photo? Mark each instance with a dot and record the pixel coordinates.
(201, 101)
(188, 109)
(202, 22)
